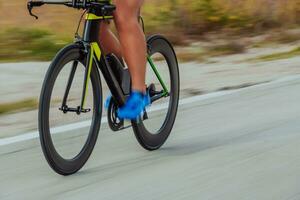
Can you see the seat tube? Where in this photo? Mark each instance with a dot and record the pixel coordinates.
(91, 31)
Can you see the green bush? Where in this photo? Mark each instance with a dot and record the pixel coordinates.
(195, 17)
(23, 105)
(29, 44)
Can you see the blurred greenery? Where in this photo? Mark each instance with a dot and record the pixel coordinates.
(278, 56)
(29, 44)
(179, 20)
(226, 49)
(27, 104)
(195, 17)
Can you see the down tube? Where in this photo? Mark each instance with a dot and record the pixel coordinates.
(109, 76)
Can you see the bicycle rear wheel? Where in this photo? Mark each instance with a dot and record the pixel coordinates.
(67, 138)
(154, 129)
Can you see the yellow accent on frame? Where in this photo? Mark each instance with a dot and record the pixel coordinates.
(90, 65)
(91, 16)
(96, 50)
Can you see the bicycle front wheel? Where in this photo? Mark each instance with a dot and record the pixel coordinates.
(154, 128)
(67, 136)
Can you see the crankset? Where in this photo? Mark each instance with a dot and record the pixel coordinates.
(117, 124)
(114, 122)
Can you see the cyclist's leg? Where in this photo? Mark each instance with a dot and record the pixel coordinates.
(109, 41)
(133, 45)
(132, 40)
(110, 44)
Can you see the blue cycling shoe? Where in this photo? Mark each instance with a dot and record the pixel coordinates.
(107, 102)
(134, 106)
(147, 100)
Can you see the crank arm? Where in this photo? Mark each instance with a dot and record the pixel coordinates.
(159, 95)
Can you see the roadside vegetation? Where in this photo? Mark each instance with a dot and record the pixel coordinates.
(24, 105)
(195, 17)
(28, 44)
(201, 53)
(279, 56)
(182, 21)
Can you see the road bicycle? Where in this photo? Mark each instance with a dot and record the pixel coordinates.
(76, 67)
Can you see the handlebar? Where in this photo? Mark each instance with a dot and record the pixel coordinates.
(105, 5)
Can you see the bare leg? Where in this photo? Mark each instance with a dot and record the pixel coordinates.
(132, 40)
(108, 41)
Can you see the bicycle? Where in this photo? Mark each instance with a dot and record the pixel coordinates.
(86, 52)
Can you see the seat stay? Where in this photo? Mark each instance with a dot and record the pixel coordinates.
(165, 89)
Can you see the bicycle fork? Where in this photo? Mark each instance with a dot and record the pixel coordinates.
(90, 53)
(87, 75)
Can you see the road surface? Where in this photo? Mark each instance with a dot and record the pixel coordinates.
(242, 145)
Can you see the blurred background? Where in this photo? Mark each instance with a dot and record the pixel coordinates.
(225, 144)
(221, 45)
(183, 21)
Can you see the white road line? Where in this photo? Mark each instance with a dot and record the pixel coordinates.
(84, 124)
(189, 100)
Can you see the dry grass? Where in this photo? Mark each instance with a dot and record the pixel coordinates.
(199, 16)
(279, 37)
(279, 56)
(56, 19)
(179, 20)
(284, 37)
(226, 49)
(191, 56)
(29, 44)
(170, 16)
(28, 104)
(201, 54)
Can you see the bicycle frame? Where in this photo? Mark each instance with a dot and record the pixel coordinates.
(90, 41)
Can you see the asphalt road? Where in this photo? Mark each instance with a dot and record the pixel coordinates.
(244, 145)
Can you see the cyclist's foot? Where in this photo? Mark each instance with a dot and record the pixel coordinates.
(134, 106)
(147, 100)
(107, 102)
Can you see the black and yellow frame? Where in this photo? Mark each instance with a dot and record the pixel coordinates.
(97, 12)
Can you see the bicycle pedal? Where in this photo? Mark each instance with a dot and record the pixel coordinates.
(78, 110)
(85, 110)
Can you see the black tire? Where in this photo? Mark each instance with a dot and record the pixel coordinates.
(56, 161)
(153, 141)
